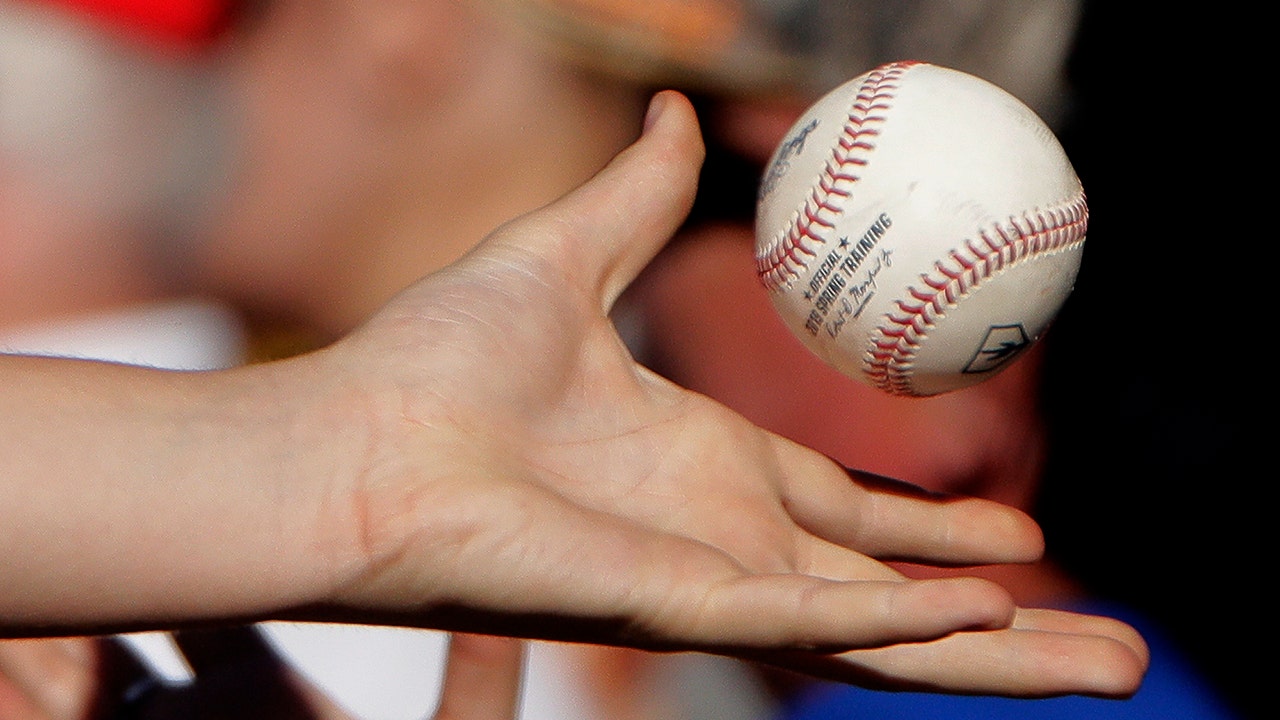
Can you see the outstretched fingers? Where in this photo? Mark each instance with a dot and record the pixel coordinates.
(1057, 621)
(667, 591)
(683, 594)
(1040, 653)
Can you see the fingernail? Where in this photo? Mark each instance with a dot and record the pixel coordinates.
(656, 106)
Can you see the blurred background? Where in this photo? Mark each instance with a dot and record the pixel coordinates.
(203, 183)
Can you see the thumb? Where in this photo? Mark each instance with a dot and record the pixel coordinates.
(603, 233)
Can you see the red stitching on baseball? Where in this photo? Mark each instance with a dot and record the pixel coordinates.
(1055, 229)
(788, 255)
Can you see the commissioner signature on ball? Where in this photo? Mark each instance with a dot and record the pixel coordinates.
(862, 291)
(859, 295)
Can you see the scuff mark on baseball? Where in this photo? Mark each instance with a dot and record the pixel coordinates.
(918, 228)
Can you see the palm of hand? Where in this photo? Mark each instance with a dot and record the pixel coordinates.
(569, 460)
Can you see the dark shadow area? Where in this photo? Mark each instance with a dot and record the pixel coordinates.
(239, 676)
(1152, 495)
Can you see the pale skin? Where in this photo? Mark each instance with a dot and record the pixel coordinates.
(448, 466)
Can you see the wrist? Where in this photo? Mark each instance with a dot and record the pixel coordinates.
(313, 430)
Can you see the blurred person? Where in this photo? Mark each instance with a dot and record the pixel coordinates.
(105, 160)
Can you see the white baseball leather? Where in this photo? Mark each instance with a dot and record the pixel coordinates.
(919, 227)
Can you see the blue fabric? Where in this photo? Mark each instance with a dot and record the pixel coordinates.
(1171, 689)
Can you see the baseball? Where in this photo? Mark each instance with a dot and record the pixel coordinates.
(918, 228)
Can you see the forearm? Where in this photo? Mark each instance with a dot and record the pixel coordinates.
(137, 497)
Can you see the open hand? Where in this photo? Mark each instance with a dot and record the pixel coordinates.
(520, 473)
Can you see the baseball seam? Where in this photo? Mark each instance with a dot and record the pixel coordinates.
(792, 248)
(1042, 232)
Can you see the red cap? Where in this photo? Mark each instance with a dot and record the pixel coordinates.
(173, 23)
